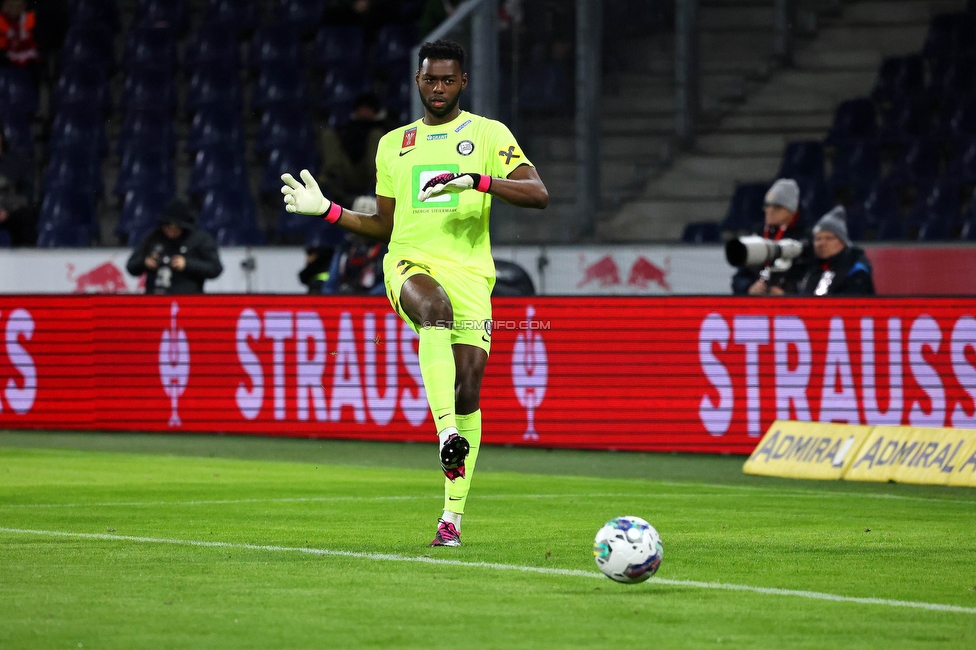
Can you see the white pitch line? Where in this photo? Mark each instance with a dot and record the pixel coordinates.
(210, 502)
(389, 557)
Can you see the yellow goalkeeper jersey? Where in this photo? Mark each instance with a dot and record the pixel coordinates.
(452, 228)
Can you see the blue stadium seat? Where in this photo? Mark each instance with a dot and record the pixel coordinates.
(746, 209)
(148, 89)
(880, 205)
(215, 129)
(104, 13)
(147, 171)
(952, 78)
(283, 126)
(906, 120)
(816, 199)
(702, 232)
(214, 88)
(958, 119)
(291, 160)
(393, 45)
(319, 233)
(227, 208)
(18, 95)
(277, 45)
(857, 164)
(67, 207)
(89, 46)
(916, 164)
(899, 77)
(140, 214)
(75, 170)
(147, 131)
(935, 229)
(337, 93)
(855, 119)
(962, 165)
(338, 46)
(237, 16)
(85, 87)
(51, 235)
(802, 160)
(240, 236)
(169, 14)
(150, 47)
(279, 87)
(304, 15)
(18, 135)
(5, 241)
(938, 204)
(78, 129)
(213, 46)
(218, 168)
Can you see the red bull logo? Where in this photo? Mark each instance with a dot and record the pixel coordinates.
(104, 278)
(604, 272)
(644, 272)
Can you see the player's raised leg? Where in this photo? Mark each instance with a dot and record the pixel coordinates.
(425, 302)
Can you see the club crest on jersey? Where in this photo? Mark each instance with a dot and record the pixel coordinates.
(409, 138)
(465, 147)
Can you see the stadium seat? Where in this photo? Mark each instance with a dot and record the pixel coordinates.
(51, 235)
(880, 205)
(104, 13)
(218, 168)
(5, 241)
(18, 95)
(935, 229)
(899, 77)
(148, 89)
(147, 171)
(917, 163)
(212, 46)
(85, 87)
(304, 15)
(240, 236)
(338, 46)
(962, 165)
(215, 129)
(855, 119)
(76, 170)
(89, 46)
(857, 164)
(78, 129)
(292, 160)
(277, 45)
(168, 14)
(67, 207)
(816, 199)
(337, 93)
(283, 126)
(393, 45)
(319, 233)
(906, 120)
(279, 87)
(953, 78)
(746, 209)
(958, 119)
(949, 35)
(18, 135)
(150, 47)
(140, 214)
(227, 208)
(237, 16)
(702, 232)
(802, 160)
(214, 88)
(147, 131)
(938, 204)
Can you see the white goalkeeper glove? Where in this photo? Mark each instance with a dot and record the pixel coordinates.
(454, 183)
(308, 198)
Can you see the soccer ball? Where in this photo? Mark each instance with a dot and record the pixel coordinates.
(628, 550)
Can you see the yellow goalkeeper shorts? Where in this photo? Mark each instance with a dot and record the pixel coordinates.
(470, 297)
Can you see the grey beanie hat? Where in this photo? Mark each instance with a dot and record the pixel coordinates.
(835, 222)
(786, 193)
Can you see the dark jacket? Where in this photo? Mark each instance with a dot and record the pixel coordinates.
(786, 280)
(848, 273)
(202, 261)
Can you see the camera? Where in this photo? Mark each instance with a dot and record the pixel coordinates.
(755, 252)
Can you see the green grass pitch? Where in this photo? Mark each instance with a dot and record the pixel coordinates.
(142, 541)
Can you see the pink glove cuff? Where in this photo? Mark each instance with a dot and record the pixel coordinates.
(333, 214)
(484, 183)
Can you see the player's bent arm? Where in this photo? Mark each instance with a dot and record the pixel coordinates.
(523, 188)
(377, 226)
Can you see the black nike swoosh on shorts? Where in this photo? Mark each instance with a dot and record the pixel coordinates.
(453, 498)
(441, 417)
(404, 153)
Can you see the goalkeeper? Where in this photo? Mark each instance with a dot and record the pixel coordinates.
(435, 179)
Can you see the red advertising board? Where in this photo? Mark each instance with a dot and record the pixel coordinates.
(664, 374)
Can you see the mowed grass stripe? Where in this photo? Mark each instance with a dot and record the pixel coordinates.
(387, 557)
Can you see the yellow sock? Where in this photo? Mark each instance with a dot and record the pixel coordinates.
(456, 493)
(436, 358)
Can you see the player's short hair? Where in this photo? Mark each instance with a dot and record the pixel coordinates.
(441, 51)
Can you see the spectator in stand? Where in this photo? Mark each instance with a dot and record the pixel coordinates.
(841, 269)
(349, 152)
(318, 264)
(357, 269)
(782, 214)
(17, 44)
(18, 215)
(176, 257)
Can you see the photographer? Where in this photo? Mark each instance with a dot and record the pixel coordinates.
(782, 215)
(176, 257)
(841, 269)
